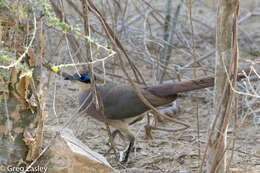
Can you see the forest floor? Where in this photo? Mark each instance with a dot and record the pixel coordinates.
(167, 151)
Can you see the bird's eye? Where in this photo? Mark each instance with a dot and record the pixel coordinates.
(84, 77)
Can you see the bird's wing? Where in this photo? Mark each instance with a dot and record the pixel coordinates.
(122, 101)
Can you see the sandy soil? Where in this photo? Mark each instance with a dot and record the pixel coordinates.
(167, 151)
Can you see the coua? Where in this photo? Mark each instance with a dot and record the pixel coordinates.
(122, 107)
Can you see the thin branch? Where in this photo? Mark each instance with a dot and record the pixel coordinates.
(26, 48)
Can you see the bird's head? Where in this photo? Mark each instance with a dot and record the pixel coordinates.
(82, 78)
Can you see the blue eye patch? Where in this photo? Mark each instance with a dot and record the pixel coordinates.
(84, 77)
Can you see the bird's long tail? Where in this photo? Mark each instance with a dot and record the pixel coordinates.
(171, 89)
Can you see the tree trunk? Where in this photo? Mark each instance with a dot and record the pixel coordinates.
(21, 102)
(226, 44)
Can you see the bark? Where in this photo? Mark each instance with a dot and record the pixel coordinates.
(216, 161)
(21, 101)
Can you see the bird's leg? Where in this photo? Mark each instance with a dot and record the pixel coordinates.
(110, 141)
(113, 135)
(131, 138)
(122, 126)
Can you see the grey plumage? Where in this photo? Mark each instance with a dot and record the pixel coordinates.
(123, 107)
(121, 102)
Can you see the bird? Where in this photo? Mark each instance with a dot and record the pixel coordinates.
(122, 106)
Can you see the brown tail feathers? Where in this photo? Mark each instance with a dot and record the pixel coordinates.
(171, 89)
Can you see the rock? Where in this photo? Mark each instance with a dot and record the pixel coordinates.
(69, 155)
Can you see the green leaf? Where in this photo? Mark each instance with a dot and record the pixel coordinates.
(55, 69)
(28, 73)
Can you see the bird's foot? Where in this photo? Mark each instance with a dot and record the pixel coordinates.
(109, 150)
(108, 142)
(124, 155)
(123, 158)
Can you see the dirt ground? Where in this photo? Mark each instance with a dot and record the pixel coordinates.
(168, 151)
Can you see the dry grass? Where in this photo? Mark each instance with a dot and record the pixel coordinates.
(142, 39)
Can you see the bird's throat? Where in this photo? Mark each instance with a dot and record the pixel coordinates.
(84, 86)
